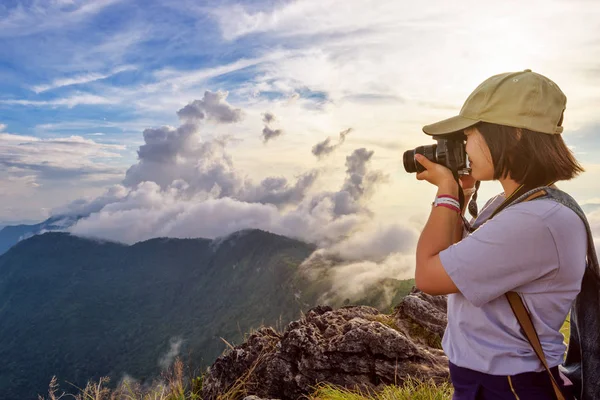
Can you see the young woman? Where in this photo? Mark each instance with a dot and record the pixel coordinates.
(513, 124)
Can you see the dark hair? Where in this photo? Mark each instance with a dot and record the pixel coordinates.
(530, 158)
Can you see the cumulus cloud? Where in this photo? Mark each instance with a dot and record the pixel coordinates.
(83, 207)
(149, 210)
(268, 117)
(325, 147)
(268, 132)
(180, 180)
(185, 186)
(212, 106)
(179, 156)
(360, 183)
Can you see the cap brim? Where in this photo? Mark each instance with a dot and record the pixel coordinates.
(450, 125)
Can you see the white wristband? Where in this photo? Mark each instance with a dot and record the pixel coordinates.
(445, 200)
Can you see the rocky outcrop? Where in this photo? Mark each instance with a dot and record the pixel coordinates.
(353, 347)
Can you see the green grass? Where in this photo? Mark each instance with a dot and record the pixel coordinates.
(566, 328)
(176, 387)
(412, 389)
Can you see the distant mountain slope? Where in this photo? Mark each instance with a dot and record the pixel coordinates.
(81, 309)
(12, 234)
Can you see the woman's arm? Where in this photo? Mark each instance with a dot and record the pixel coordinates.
(439, 234)
(440, 231)
(458, 235)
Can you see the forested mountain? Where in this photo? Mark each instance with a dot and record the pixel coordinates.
(81, 308)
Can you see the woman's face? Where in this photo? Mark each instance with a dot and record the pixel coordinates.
(482, 167)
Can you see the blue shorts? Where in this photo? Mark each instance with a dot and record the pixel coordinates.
(474, 385)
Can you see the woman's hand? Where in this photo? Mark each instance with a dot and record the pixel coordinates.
(436, 174)
(441, 176)
(467, 181)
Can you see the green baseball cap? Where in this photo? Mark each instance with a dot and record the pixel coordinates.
(519, 99)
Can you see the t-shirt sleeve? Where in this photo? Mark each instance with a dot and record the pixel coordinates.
(513, 248)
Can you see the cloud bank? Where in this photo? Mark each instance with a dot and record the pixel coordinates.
(186, 186)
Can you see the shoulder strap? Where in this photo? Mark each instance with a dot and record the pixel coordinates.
(582, 362)
(518, 308)
(516, 303)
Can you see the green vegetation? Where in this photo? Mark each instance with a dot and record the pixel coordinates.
(175, 385)
(411, 390)
(83, 309)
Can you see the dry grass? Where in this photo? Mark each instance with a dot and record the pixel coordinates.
(173, 386)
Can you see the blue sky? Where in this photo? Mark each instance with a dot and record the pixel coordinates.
(81, 80)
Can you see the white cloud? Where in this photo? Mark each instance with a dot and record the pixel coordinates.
(375, 242)
(393, 49)
(167, 359)
(81, 79)
(56, 158)
(38, 16)
(70, 101)
(181, 179)
(358, 279)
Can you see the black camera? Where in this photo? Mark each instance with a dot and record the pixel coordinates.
(449, 151)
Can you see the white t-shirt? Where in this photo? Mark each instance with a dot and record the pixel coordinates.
(536, 248)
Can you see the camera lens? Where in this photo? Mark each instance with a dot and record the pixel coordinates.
(410, 165)
(409, 161)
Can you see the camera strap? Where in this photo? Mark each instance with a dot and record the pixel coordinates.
(473, 203)
(514, 195)
(507, 202)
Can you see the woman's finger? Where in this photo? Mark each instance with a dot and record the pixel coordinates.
(424, 161)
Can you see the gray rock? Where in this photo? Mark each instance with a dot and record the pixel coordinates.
(353, 347)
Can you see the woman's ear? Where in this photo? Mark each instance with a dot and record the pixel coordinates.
(518, 133)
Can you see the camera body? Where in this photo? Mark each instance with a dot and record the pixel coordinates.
(448, 151)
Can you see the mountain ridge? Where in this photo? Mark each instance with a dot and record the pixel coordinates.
(82, 308)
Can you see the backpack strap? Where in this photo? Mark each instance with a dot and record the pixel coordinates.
(524, 318)
(516, 303)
